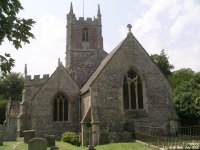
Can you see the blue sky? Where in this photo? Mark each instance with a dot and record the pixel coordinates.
(173, 25)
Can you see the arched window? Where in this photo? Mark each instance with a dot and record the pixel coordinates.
(132, 91)
(60, 107)
(85, 35)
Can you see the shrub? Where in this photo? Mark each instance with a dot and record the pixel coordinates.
(71, 137)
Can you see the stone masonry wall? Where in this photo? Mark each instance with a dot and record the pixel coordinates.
(156, 91)
(42, 105)
(93, 36)
(83, 70)
(31, 87)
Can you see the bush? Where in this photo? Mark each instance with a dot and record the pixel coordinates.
(71, 137)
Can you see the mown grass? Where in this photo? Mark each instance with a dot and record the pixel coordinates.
(19, 145)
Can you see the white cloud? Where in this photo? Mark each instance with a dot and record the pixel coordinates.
(174, 26)
(185, 57)
(189, 17)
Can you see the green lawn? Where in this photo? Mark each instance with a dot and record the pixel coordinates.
(19, 145)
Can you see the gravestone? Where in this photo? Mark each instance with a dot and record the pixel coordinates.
(11, 130)
(28, 135)
(50, 140)
(54, 148)
(37, 144)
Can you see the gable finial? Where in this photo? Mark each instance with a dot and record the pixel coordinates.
(129, 26)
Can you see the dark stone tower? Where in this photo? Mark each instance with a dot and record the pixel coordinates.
(84, 50)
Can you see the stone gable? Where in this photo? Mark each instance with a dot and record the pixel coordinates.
(42, 104)
(106, 90)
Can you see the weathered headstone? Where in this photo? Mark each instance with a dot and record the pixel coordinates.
(37, 144)
(28, 135)
(11, 130)
(54, 148)
(50, 140)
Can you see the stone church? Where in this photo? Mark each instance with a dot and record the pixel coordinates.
(111, 94)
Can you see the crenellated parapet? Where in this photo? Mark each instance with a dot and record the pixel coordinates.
(88, 21)
(71, 18)
(36, 80)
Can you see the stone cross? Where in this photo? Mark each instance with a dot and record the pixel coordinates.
(129, 26)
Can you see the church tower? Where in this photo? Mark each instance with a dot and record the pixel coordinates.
(84, 49)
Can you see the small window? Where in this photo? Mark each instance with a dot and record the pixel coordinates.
(60, 108)
(85, 35)
(132, 91)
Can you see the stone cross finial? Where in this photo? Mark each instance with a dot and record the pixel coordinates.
(129, 26)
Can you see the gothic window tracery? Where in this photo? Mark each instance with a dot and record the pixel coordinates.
(60, 107)
(132, 91)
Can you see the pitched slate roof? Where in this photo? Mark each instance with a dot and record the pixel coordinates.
(102, 65)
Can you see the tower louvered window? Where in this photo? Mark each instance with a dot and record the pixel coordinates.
(60, 108)
(85, 35)
(132, 91)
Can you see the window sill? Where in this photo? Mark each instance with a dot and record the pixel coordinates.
(57, 122)
(135, 113)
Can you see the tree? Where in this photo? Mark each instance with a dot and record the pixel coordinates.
(186, 93)
(14, 29)
(161, 60)
(11, 87)
(178, 77)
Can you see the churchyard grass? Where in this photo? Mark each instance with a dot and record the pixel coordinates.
(19, 145)
(6, 146)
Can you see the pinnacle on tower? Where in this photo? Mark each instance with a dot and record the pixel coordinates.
(25, 70)
(99, 12)
(25, 74)
(71, 16)
(71, 8)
